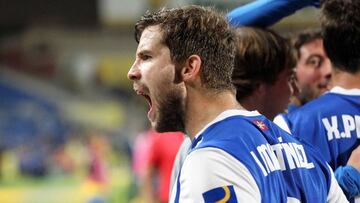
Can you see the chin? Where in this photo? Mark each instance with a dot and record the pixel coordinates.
(167, 126)
(160, 127)
(163, 128)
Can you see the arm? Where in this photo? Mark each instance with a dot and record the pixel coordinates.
(263, 13)
(354, 159)
(335, 193)
(349, 176)
(147, 188)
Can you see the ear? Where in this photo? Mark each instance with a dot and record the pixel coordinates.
(260, 90)
(191, 68)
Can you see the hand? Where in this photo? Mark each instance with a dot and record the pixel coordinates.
(354, 159)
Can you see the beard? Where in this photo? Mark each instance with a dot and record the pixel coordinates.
(306, 94)
(171, 112)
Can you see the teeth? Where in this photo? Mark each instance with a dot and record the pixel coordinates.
(146, 96)
(148, 99)
(141, 93)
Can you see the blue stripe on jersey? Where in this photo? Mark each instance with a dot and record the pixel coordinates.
(229, 135)
(177, 196)
(307, 178)
(220, 194)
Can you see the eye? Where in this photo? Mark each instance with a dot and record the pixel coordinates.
(315, 61)
(145, 57)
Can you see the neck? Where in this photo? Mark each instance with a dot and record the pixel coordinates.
(205, 107)
(257, 101)
(295, 100)
(252, 103)
(346, 80)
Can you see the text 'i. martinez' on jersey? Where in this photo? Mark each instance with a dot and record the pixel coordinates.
(275, 157)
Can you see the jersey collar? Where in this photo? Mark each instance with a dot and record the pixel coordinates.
(340, 90)
(227, 114)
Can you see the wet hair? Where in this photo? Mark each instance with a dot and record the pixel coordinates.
(260, 57)
(200, 31)
(340, 20)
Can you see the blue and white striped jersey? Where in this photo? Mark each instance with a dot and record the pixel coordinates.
(243, 157)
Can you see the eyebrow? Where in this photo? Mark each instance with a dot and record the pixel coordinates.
(315, 56)
(144, 52)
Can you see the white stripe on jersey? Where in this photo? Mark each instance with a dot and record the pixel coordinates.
(340, 90)
(335, 194)
(279, 120)
(196, 178)
(227, 114)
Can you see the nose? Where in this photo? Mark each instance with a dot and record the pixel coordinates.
(134, 73)
(326, 71)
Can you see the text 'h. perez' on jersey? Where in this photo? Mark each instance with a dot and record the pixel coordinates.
(350, 123)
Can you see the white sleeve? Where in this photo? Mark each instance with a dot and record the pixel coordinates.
(179, 160)
(335, 194)
(280, 121)
(210, 168)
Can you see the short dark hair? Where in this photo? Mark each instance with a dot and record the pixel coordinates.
(260, 57)
(196, 30)
(303, 37)
(340, 20)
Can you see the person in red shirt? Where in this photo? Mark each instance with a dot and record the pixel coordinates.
(163, 148)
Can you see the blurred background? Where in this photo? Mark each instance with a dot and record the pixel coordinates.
(68, 115)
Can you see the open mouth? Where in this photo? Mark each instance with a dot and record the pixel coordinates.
(148, 99)
(323, 87)
(145, 95)
(151, 112)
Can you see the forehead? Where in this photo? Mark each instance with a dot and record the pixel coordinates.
(151, 38)
(313, 46)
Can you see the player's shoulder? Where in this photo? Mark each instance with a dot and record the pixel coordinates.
(282, 121)
(235, 128)
(311, 108)
(215, 163)
(209, 157)
(211, 171)
(328, 103)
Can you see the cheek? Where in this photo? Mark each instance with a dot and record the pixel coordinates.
(148, 72)
(280, 93)
(307, 77)
(288, 91)
(164, 85)
(284, 90)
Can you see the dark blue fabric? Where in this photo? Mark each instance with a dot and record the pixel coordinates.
(342, 113)
(308, 123)
(218, 194)
(349, 180)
